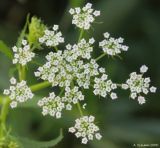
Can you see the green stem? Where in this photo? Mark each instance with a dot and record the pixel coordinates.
(78, 104)
(22, 72)
(61, 92)
(101, 56)
(80, 109)
(81, 34)
(40, 86)
(55, 47)
(3, 116)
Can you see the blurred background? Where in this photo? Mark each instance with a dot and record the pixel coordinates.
(123, 122)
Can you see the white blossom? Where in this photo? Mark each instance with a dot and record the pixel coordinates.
(153, 89)
(82, 49)
(22, 55)
(139, 85)
(72, 96)
(86, 72)
(56, 70)
(84, 17)
(143, 69)
(86, 129)
(61, 68)
(52, 37)
(51, 105)
(104, 86)
(141, 100)
(112, 46)
(18, 92)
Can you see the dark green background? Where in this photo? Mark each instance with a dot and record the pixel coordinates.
(123, 122)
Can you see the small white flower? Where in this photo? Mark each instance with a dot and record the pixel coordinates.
(86, 129)
(71, 11)
(103, 86)
(124, 86)
(72, 130)
(22, 55)
(18, 92)
(24, 42)
(52, 38)
(153, 89)
(141, 100)
(82, 49)
(83, 18)
(55, 27)
(96, 13)
(13, 80)
(72, 96)
(112, 46)
(113, 96)
(91, 40)
(6, 92)
(98, 136)
(13, 104)
(133, 95)
(143, 69)
(106, 35)
(51, 105)
(84, 140)
(139, 85)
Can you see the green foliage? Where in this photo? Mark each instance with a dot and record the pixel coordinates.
(124, 122)
(74, 3)
(23, 32)
(5, 50)
(27, 143)
(36, 30)
(8, 142)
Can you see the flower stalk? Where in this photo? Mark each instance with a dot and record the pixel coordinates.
(100, 57)
(40, 86)
(80, 109)
(3, 116)
(81, 34)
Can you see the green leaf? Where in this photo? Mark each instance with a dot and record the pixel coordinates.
(5, 50)
(78, 3)
(27, 143)
(22, 34)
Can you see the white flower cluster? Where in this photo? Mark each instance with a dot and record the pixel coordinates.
(82, 49)
(18, 92)
(85, 72)
(61, 68)
(103, 86)
(56, 70)
(72, 96)
(86, 129)
(51, 105)
(139, 85)
(52, 38)
(83, 18)
(112, 46)
(22, 55)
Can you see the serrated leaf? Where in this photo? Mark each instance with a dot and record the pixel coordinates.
(27, 143)
(5, 50)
